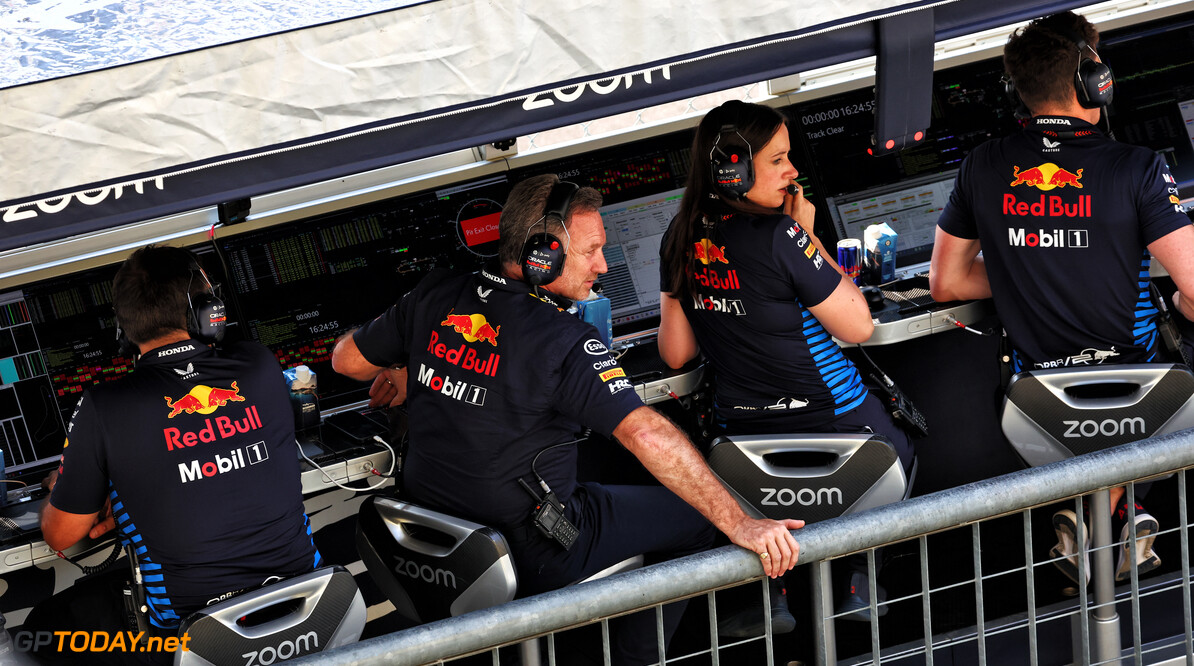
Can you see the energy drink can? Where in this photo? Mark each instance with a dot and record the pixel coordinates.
(849, 257)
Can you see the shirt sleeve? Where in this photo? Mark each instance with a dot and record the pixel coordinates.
(383, 341)
(82, 484)
(1158, 208)
(957, 219)
(665, 275)
(594, 389)
(798, 258)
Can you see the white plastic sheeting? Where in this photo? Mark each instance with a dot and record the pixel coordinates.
(223, 100)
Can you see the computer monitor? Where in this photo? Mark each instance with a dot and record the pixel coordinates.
(633, 231)
(1154, 90)
(57, 337)
(910, 207)
(298, 287)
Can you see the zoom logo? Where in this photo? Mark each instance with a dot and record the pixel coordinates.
(803, 497)
(285, 650)
(1105, 428)
(424, 572)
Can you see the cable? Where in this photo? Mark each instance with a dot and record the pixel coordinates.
(953, 320)
(377, 438)
(94, 569)
(584, 434)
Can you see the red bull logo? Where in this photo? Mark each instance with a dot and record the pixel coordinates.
(1049, 205)
(203, 400)
(222, 427)
(473, 327)
(464, 356)
(713, 280)
(1046, 177)
(707, 252)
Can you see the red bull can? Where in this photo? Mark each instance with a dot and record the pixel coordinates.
(849, 257)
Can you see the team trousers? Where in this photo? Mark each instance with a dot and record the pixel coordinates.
(615, 523)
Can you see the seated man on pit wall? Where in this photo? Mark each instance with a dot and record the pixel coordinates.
(1066, 219)
(498, 380)
(191, 456)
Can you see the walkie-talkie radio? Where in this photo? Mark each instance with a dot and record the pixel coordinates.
(549, 517)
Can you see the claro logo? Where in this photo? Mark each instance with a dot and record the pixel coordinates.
(1105, 428)
(572, 93)
(424, 572)
(308, 642)
(803, 497)
(89, 198)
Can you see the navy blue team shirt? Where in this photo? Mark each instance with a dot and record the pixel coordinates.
(1064, 216)
(496, 376)
(756, 276)
(195, 448)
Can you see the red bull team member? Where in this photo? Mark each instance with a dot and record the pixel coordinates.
(746, 281)
(499, 380)
(1066, 220)
(192, 456)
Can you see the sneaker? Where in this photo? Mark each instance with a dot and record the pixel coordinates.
(749, 621)
(1065, 553)
(1145, 530)
(856, 599)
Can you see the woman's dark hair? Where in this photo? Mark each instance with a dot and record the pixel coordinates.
(756, 124)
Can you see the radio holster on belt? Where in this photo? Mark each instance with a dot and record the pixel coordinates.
(897, 404)
(135, 605)
(1171, 336)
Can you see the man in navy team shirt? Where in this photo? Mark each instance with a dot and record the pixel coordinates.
(498, 380)
(1066, 220)
(191, 457)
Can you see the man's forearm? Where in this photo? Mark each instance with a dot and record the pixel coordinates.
(670, 457)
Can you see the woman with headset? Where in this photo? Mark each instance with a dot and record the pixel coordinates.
(746, 281)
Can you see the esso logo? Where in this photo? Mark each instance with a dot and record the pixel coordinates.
(595, 348)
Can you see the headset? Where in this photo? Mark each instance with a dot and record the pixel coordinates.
(543, 254)
(1093, 80)
(732, 166)
(206, 316)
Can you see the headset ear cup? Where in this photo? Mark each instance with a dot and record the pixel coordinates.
(124, 346)
(1021, 109)
(206, 318)
(1094, 83)
(543, 258)
(733, 171)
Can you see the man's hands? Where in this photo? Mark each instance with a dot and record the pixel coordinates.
(104, 522)
(770, 538)
(61, 530)
(389, 388)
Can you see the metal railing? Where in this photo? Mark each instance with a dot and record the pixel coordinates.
(914, 519)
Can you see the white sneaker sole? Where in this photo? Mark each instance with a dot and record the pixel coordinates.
(1146, 559)
(1065, 553)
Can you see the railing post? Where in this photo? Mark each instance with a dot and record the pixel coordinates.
(824, 636)
(1104, 628)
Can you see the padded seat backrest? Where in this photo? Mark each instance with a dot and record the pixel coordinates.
(432, 565)
(1051, 415)
(811, 477)
(310, 613)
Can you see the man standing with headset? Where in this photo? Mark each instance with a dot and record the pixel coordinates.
(192, 456)
(1066, 220)
(499, 380)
